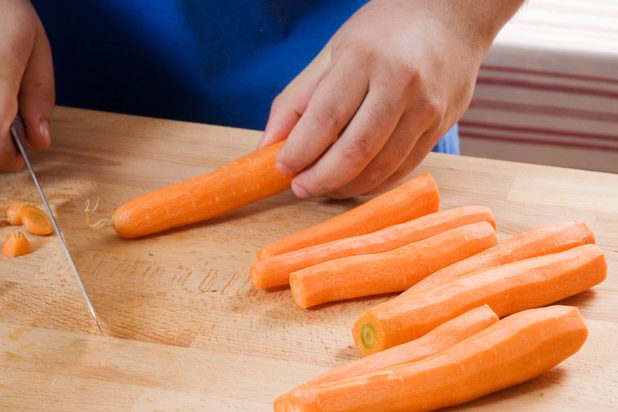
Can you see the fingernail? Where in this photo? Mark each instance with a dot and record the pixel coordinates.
(283, 168)
(261, 142)
(44, 131)
(299, 191)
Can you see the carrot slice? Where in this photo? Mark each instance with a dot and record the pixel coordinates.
(391, 271)
(537, 242)
(36, 221)
(13, 214)
(275, 271)
(240, 182)
(417, 197)
(506, 289)
(516, 349)
(15, 245)
(437, 340)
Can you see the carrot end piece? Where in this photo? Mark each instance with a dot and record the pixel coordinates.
(13, 214)
(16, 244)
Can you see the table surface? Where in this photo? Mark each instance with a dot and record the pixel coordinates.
(183, 328)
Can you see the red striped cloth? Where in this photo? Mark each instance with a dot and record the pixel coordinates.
(548, 88)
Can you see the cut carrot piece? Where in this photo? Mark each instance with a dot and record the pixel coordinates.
(439, 339)
(13, 214)
(36, 221)
(506, 289)
(15, 245)
(391, 271)
(514, 350)
(275, 271)
(240, 182)
(417, 197)
(537, 242)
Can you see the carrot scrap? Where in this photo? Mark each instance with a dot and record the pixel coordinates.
(16, 244)
(13, 214)
(36, 221)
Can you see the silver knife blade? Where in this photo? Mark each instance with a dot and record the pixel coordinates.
(18, 134)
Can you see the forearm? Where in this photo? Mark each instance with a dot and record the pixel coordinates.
(480, 20)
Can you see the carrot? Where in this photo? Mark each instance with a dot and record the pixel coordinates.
(13, 214)
(514, 350)
(15, 245)
(439, 339)
(391, 271)
(275, 271)
(240, 182)
(417, 197)
(537, 242)
(36, 221)
(506, 289)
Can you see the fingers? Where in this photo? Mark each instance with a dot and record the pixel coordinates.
(10, 73)
(388, 161)
(420, 150)
(37, 93)
(362, 139)
(291, 103)
(21, 33)
(335, 100)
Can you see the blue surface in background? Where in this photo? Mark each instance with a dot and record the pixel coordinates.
(216, 61)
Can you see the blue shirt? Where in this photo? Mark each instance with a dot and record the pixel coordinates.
(210, 61)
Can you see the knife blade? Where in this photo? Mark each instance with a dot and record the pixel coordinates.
(18, 134)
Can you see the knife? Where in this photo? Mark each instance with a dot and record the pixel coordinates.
(18, 133)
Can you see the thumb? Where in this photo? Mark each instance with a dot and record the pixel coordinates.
(37, 92)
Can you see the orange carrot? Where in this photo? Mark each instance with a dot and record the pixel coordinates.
(15, 245)
(240, 182)
(514, 350)
(417, 197)
(391, 271)
(537, 242)
(275, 271)
(13, 214)
(439, 339)
(36, 221)
(506, 289)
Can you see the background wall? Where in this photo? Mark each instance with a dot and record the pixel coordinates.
(548, 89)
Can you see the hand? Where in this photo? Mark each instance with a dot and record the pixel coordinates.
(392, 81)
(26, 79)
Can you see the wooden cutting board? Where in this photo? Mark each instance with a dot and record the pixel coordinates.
(183, 328)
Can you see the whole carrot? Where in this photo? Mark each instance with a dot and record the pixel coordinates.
(514, 350)
(240, 182)
(437, 340)
(275, 271)
(536, 242)
(506, 289)
(417, 197)
(391, 271)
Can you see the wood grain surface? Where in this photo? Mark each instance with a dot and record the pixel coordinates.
(183, 328)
